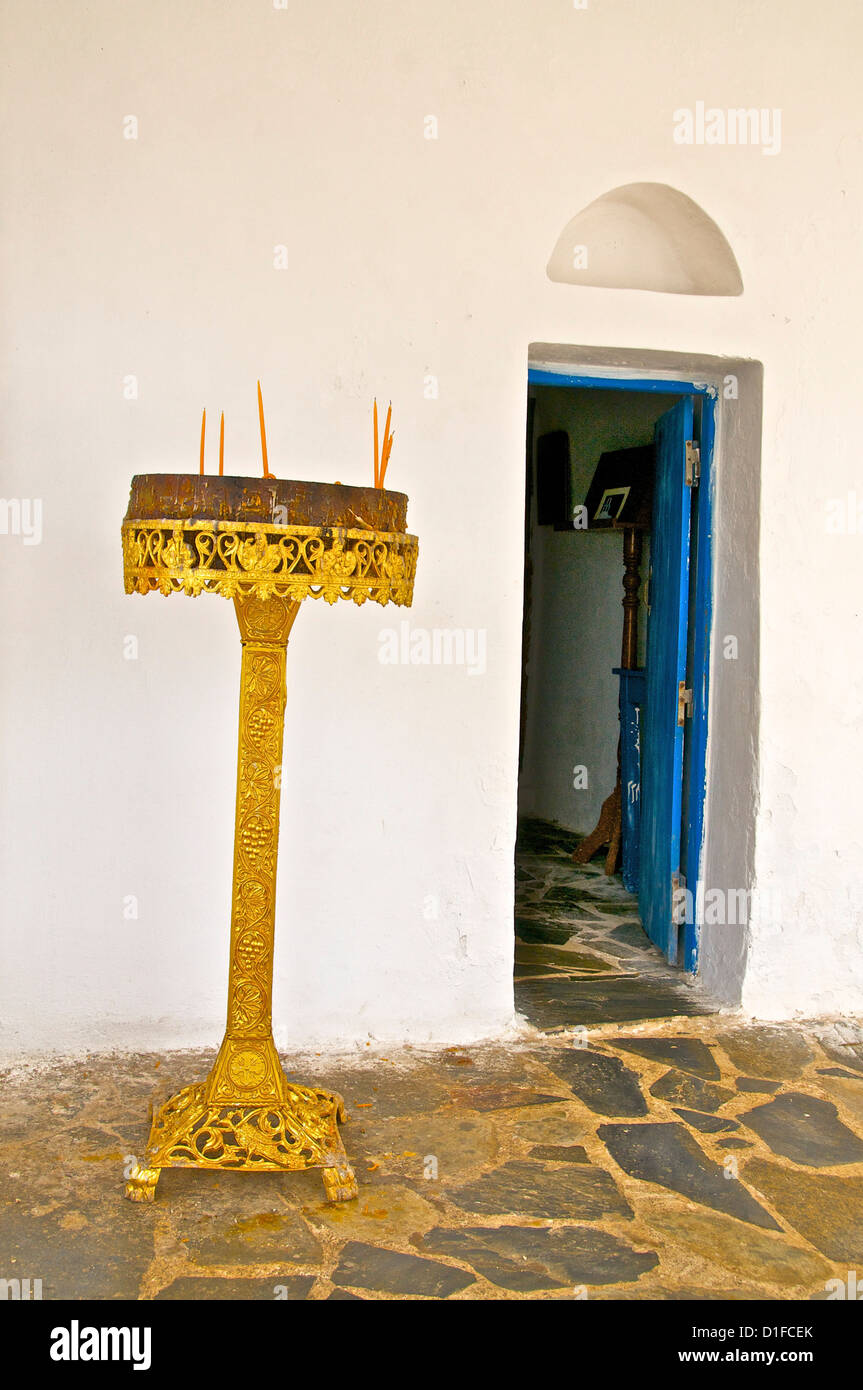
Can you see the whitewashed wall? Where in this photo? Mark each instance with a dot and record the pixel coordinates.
(408, 257)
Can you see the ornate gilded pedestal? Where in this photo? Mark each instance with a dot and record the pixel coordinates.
(267, 544)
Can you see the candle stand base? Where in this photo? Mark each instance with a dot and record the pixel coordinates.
(289, 1129)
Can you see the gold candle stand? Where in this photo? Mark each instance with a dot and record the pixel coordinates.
(195, 535)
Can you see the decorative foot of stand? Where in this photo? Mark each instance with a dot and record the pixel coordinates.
(141, 1184)
(291, 1132)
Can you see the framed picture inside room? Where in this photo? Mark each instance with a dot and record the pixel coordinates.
(621, 490)
(611, 504)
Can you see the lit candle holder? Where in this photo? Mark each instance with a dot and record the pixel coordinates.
(267, 544)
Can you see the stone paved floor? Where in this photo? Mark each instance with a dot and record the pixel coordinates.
(666, 1157)
(688, 1159)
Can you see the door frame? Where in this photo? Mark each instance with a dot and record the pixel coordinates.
(702, 608)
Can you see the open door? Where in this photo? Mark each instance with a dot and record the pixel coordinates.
(666, 697)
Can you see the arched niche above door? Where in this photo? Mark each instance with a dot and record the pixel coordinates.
(646, 236)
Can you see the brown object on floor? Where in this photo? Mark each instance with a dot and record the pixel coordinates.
(607, 832)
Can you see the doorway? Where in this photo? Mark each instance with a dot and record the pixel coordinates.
(618, 510)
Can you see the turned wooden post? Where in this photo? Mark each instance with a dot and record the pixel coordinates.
(632, 545)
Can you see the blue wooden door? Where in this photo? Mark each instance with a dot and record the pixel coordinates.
(662, 733)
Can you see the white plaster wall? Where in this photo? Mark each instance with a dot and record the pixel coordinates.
(407, 257)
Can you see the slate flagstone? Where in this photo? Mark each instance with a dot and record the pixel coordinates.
(524, 1188)
(668, 1154)
(686, 1054)
(522, 1258)
(603, 1083)
(690, 1091)
(806, 1130)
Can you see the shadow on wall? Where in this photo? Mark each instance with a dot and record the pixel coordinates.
(646, 236)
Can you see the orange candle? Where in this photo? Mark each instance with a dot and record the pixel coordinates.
(386, 457)
(388, 444)
(267, 473)
(222, 445)
(203, 430)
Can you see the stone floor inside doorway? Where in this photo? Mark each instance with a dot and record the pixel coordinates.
(581, 954)
(644, 1150)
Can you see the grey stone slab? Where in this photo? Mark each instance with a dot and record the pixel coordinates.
(502, 1097)
(524, 1259)
(620, 999)
(683, 1293)
(296, 1289)
(757, 1084)
(686, 1054)
(76, 1254)
(389, 1271)
(542, 837)
(603, 1083)
(690, 1091)
(386, 1094)
(707, 1124)
(518, 1276)
(849, 1093)
(533, 971)
(91, 1138)
(840, 1071)
(530, 1189)
(761, 1256)
(668, 1154)
(606, 908)
(541, 929)
(632, 934)
(827, 1211)
(849, 1053)
(267, 1236)
(779, 1053)
(606, 943)
(560, 1153)
(806, 1130)
(571, 900)
(735, 1143)
(564, 1125)
(558, 960)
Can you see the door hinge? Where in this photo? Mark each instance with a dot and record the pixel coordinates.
(684, 702)
(693, 463)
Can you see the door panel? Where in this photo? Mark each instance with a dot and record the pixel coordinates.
(662, 740)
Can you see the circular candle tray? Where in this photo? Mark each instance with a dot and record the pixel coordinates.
(171, 544)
